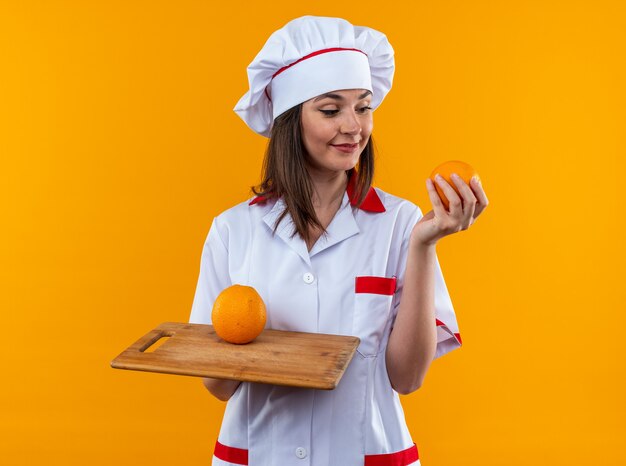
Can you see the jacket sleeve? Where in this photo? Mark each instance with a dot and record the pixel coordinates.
(213, 278)
(448, 336)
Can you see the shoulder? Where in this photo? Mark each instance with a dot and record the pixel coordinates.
(242, 216)
(251, 207)
(398, 208)
(399, 218)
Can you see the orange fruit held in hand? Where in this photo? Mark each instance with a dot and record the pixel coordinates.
(446, 169)
(238, 314)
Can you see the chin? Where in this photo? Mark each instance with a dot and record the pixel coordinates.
(346, 165)
(333, 162)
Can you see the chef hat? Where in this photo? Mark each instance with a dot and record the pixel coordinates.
(309, 56)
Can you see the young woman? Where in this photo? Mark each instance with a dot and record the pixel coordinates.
(331, 254)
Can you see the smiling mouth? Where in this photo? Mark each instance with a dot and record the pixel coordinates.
(346, 148)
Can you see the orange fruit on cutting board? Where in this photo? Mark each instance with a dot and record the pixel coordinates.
(446, 169)
(238, 314)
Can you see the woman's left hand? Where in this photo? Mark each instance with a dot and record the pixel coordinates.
(462, 214)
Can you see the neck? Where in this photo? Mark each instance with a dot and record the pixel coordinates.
(328, 189)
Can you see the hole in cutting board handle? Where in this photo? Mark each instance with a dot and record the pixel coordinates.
(155, 343)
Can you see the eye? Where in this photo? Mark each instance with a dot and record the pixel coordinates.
(333, 112)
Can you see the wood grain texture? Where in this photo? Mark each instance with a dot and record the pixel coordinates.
(307, 360)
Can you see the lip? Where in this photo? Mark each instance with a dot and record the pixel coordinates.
(346, 148)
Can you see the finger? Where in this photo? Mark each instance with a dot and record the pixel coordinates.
(469, 200)
(435, 200)
(470, 216)
(456, 206)
(464, 189)
(481, 197)
(479, 192)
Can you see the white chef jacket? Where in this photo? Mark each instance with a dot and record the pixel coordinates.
(350, 283)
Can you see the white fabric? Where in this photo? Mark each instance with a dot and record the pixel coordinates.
(298, 39)
(342, 69)
(363, 415)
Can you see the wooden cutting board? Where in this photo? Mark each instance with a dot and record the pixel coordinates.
(308, 360)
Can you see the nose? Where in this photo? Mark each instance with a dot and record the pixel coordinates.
(350, 124)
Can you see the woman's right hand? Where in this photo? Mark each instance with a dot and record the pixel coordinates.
(222, 389)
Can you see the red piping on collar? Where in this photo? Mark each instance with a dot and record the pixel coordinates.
(371, 203)
(258, 199)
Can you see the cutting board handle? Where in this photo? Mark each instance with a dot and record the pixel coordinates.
(150, 339)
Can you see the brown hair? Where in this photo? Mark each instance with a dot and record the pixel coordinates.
(285, 174)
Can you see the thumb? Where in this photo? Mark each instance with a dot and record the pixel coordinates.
(428, 216)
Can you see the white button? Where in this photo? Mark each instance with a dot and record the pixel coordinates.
(308, 278)
(301, 452)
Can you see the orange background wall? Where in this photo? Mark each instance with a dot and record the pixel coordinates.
(118, 145)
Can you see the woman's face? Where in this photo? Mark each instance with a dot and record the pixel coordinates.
(335, 129)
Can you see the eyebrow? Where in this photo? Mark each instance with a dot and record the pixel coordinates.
(338, 97)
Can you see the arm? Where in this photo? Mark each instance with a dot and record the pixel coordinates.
(213, 278)
(413, 340)
(222, 389)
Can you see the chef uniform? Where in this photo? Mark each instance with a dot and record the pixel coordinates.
(349, 283)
